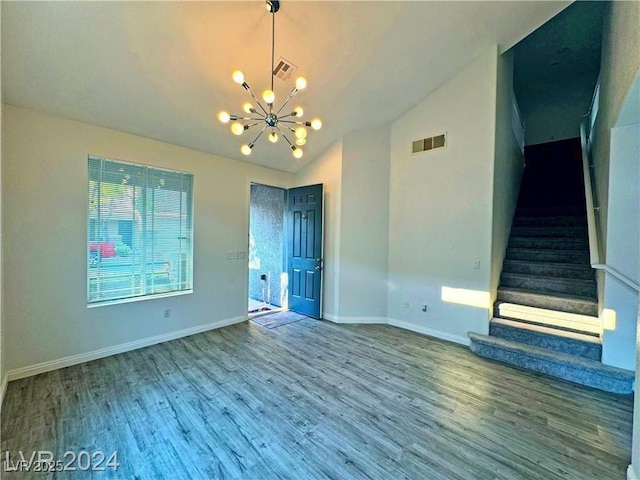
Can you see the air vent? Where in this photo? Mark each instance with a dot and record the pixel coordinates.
(284, 69)
(431, 143)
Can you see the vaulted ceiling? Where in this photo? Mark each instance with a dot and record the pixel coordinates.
(163, 69)
(565, 46)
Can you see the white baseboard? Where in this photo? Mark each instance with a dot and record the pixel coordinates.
(43, 367)
(429, 331)
(355, 320)
(30, 370)
(330, 317)
(631, 474)
(400, 324)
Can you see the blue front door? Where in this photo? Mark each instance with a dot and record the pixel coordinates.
(304, 239)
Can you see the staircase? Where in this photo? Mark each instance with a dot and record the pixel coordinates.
(546, 314)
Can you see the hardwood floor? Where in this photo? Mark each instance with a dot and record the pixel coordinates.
(316, 400)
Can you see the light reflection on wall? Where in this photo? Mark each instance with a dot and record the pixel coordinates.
(608, 318)
(463, 296)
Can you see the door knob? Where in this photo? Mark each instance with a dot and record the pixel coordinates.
(318, 268)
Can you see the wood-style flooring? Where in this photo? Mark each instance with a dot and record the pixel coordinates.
(316, 400)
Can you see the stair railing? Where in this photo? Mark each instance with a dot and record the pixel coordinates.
(594, 253)
(592, 221)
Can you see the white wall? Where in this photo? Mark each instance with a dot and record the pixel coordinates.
(441, 204)
(633, 472)
(619, 67)
(619, 71)
(3, 373)
(327, 169)
(364, 234)
(553, 111)
(623, 238)
(508, 169)
(44, 227)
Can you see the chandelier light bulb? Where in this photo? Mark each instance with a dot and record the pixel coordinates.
(300, 132)
(268, 96)
(298, 111)
(245, 149)
(297, 153)
(247, 107)
(273, 137)
(237, 128)
(301, 141)
(301, 83)
(224, 117)
(238, 77)
(316, 124)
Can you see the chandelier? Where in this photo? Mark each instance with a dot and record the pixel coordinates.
(269, 118)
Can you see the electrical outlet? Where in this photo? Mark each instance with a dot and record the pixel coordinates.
(240, 255)
(167, 312)
(229, 255)
(476, 265)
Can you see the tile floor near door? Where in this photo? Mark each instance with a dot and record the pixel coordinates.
(257, 307)
(316, 400)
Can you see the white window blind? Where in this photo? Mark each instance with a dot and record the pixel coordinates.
(140, 231)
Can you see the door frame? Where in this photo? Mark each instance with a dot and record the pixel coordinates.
(285, 266)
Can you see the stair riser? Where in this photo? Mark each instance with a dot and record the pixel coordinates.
(549, 270)
(566, 256)
(571, 346)
(581, 324)
(564, 371)
(576, 220)
(554, 232)
(549, 211)
(584, 288)
(577, 244)
(550, 303)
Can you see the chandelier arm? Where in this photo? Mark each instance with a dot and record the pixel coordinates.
(304, 124)
(285, 137)
(293, 94)
(257, 101)
(259, 135)
(253, 124)
(260, 119)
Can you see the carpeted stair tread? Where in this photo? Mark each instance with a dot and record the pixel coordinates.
(552, 301)
(554, 243)
(557, 231)
(547, 284)
(549, 269)
(557, 220)
(568, 367)
(586, 346)
(548, 255)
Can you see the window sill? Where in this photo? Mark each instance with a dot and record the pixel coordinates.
(139, 299)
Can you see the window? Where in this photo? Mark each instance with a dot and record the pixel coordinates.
(140, 231)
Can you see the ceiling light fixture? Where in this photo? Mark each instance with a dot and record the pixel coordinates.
(267, 117)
